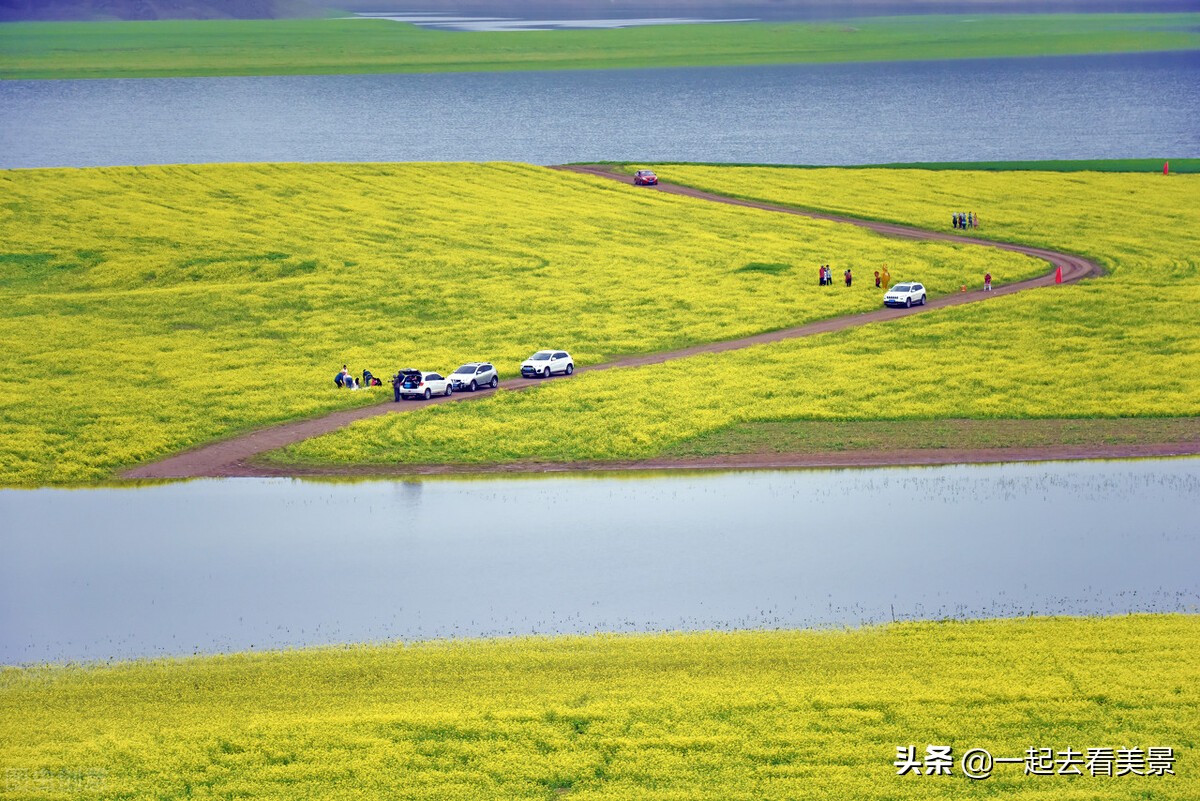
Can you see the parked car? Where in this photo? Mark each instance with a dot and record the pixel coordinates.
(905, 295)
(473, 376)
(545, 363)
(645, 178)
(425, 385)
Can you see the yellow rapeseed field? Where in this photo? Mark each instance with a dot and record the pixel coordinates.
(1126, 345)
(144, 310)
(722, 716)
(1143, 227)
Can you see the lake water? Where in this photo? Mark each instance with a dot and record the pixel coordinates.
(229, 565)
(1016, 109)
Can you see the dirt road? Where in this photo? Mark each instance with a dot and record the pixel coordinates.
(231, 457)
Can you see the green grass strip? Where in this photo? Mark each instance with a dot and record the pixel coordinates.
(331, 46)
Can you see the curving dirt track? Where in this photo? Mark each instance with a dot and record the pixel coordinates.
(232, 457)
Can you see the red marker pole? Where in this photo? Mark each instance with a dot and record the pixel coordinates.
(1058, 275)
(1166, 167)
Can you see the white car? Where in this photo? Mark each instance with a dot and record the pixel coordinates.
(473, 376)
(546, 363)
(425, 385)
(905, 295)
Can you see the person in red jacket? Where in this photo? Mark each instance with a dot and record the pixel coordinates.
(987, 282)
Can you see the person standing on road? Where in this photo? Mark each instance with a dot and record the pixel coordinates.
(987, 282)
(397, 380)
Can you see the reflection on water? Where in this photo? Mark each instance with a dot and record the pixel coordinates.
(1072, 107)
(237, 564)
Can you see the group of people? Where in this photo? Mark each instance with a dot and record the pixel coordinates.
(966, 220)
(825, 277)
(344, 380)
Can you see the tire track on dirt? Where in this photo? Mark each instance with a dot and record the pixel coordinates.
(232, 457)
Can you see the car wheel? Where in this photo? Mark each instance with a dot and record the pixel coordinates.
(428, 394)
(449, 390)
(474, 386)
(495, 382)
(570, 369)
(547, 373)
(922, 300)
(908, 303)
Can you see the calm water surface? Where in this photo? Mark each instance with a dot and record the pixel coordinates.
(1042, 108)
(237, 564)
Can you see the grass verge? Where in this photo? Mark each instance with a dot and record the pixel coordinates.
(1155, 165)
(812, 436)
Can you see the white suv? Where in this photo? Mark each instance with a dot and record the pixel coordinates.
(425, 385)
(905, 295)
(546, 363)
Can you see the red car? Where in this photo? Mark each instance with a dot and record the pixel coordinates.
(645, 178)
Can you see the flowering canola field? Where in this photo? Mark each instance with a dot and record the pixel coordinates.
(1126, 345)
(144, 310)
(749, 715)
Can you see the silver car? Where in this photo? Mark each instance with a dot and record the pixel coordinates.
(473, 376)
